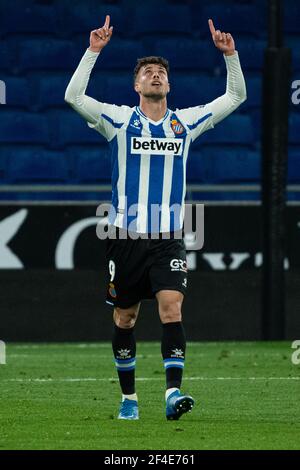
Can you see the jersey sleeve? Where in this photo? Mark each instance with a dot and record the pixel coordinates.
(109, 118)
(104, 118)
(199, 119)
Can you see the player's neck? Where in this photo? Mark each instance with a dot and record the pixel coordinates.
(154, 110)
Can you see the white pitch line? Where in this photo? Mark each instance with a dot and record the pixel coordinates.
(142, 379)
(230, 355)
(107, 345)
(60, 345)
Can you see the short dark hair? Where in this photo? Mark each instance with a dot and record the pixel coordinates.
(150, 60)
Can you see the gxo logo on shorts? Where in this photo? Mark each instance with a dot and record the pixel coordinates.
(178, 265)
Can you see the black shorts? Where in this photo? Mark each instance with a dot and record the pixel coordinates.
(137, 269)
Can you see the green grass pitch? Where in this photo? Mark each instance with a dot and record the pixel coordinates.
(66, 396)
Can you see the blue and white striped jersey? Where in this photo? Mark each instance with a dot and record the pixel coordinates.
(149, 157)
(149, 164)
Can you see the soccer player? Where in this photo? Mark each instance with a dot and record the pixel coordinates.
(149, 149)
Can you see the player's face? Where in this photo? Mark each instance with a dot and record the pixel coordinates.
(152, 82)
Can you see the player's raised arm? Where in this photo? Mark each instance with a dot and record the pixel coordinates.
(236, 88)
(203, 118)
(87, 107)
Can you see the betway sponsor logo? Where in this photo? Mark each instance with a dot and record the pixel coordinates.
(156, 146)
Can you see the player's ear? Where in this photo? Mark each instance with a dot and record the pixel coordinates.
(137, 86)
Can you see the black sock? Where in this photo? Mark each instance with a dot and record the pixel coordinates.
(173, 352)
(124, 348)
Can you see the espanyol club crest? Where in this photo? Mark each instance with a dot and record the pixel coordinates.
(112, 290)
(177, 127)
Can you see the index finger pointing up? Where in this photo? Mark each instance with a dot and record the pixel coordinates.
(211, 26)
(107, 20)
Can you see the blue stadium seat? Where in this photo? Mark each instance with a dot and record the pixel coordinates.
(6, 56)
(294, 43)
(73, 129)
(120, 90)
(194, 90)
(254, 93)
(98, 84)
(17, 91)
(161, 20)
(137, 3)
(234, 166)
(50, 91)
(186, 53)
(2, 167)
(86, 16)
(18, 3)
(198, 169)
(121, 54)
(294, 166)
(92, 165)
(30, 165)
(251, 53)
(291, 17)
(234, 196)
(47, 54)
(235, 129)
(255, 115)
(235, 18)
(200, 20)
(22, 127)
(294, 128)
(58, 3)
(28, 19)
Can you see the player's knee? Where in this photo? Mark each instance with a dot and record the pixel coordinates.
(170, 312)
(125, 318)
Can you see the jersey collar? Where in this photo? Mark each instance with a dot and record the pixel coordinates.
(156, 123)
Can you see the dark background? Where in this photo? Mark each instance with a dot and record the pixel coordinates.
(42, 303)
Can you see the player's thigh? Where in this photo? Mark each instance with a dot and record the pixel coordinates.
(125, 265)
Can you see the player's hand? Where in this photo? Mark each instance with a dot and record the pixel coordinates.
(223, 41)
(99, 38)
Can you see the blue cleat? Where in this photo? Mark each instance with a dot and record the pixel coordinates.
(129, 409)
(177, 405)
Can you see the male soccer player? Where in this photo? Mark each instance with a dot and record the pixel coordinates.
(149, 149)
